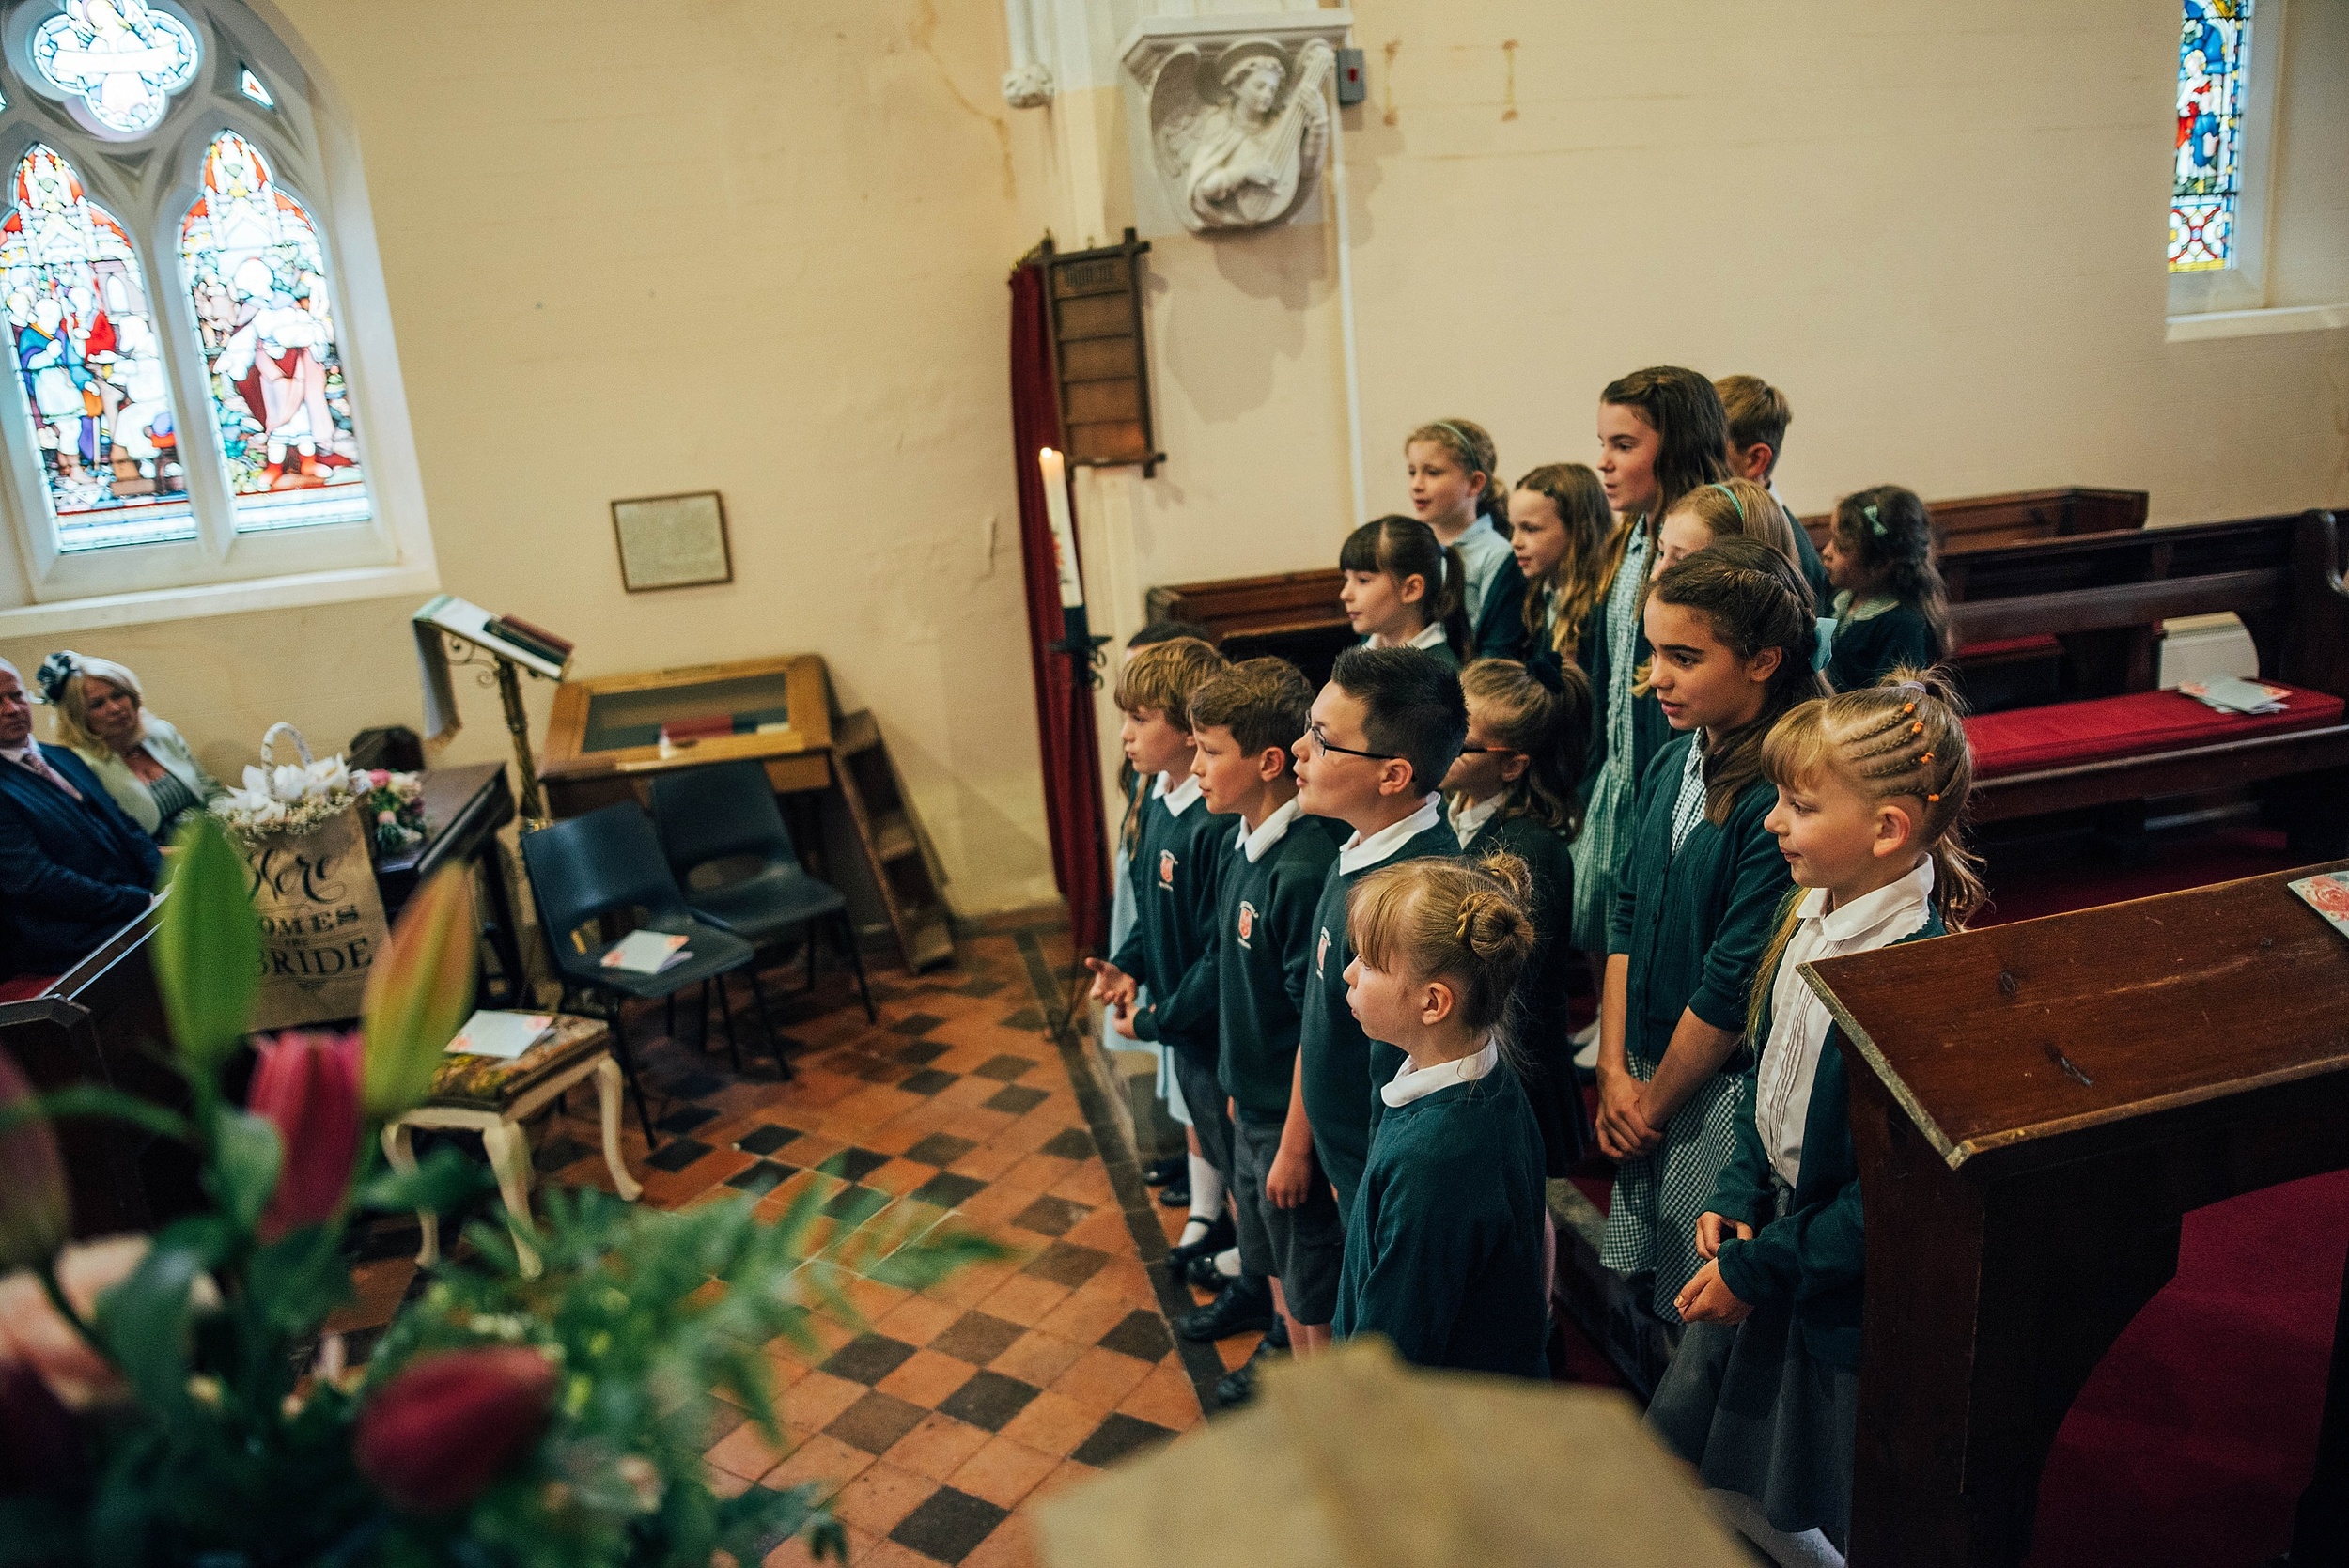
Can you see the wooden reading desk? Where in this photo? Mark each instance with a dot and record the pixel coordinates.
(2034, 1107)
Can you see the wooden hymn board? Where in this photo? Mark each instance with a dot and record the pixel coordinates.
(1095, 313)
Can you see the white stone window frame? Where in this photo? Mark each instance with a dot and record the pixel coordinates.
(149, 182)
(2242, 284)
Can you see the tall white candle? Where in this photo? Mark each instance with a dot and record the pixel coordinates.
(1072, 588)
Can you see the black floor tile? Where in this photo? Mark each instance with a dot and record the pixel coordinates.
(874, 1422)
(852, 1205)
(949, 1525)
(978, 1339)
(946, 1190)
(686, 1118)
(1027, 1017)
(988, 1400)
(1068, 1143)
(880, 1072)
(1050, 1215)
(1066, 1265)
(920, 1054)
(1005, 1068)
(1142, 1336)
(1017, 1100)
(1117, 1438)
(557, 1152)
(766, 1140)
(941, 1149)
(868, 1358)
(676, 1154)
(694, 1086)
(930, 1080)
(853, 1165)
(916, 1023)
(760, 1179)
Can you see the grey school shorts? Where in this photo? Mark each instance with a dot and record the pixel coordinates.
(1303, 1247)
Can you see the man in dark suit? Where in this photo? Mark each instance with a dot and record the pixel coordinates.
(73, 868)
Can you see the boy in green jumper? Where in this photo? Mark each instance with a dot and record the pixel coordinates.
(1274, 868)
(1175, 865)
(1383, 735)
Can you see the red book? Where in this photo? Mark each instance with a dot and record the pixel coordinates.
(677, 732)
(561, 645)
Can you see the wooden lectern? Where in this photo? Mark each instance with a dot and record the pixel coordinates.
(2034, 1107)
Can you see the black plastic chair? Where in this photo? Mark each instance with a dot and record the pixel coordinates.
(604, 863)
(728, 811)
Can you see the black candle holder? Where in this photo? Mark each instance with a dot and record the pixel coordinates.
(1083, 648)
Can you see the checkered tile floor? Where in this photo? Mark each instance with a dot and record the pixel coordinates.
(951, 1409)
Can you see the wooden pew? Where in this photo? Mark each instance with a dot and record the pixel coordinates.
(2034, 1107)
(1293, 616)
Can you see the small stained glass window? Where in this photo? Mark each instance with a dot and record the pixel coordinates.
(2214, 49)
(120, 57)
(255, 88)
(255, 273)
(89, 363)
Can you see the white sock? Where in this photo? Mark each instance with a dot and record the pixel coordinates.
(1227, 1263)
(1207, 1188)
(1587, 1058)
(1586, 1035)
(1193, 1231)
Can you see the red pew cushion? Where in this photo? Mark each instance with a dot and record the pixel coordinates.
(2137, 724)
(2002, 648)
(24, 987)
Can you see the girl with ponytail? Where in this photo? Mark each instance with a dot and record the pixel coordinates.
(1733, 640)
(1444, 1249)
(1455, 475)
(1762, 1395)
(1402, 589)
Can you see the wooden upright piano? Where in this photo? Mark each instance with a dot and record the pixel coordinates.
(2034, 1107)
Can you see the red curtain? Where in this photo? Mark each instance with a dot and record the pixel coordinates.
(1064, 711)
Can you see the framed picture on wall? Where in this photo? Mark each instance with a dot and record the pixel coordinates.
(672, 541)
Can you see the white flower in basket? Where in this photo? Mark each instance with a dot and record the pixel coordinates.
(286, 798)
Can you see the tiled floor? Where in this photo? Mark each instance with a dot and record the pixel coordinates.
(954, 1408)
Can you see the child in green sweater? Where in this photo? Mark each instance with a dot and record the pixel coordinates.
(1890, 608)
(1274, 865)
(1444, 1249)
(1763, 1394)
(1381, 735)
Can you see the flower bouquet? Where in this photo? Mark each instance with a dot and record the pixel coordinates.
(285, 799)
(169, 1399)
(392, 805)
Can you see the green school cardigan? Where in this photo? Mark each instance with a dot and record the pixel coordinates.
(1815, 1253)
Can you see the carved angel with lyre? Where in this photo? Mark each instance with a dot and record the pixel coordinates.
(1238, 146)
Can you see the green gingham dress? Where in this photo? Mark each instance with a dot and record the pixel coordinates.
(1605, 839)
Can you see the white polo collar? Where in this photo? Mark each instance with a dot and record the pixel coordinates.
(1412, 1083)
(1180, 797)
(1359, 852)
(1271, 830)
(1905, 899)
(1468, 821)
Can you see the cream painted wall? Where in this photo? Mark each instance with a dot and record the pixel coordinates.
(760, 248)
(717, 244)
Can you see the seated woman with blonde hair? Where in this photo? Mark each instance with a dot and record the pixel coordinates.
(141, 759)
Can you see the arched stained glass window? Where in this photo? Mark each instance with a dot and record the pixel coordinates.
(121, 58)
(257, 278)
(2214, 48)
(89, 363)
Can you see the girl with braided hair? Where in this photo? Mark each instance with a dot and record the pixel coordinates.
(1762, 1395)
(1890, 608)
(1444, 1242)
(1734, 637)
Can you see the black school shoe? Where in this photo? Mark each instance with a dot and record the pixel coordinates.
(1220, 1235)
(1244, 1308)
(1238, 1386)
(1202, 1273)
(1176, 1194)
(1170, 1168)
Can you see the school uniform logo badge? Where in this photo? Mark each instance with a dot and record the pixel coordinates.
(1166, 869)
(1246, 921)
(1321, 954)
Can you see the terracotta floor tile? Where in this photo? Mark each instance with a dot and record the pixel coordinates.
(1012, 1546)
(1086, 1183)
(745, 1451)
(999, 1202)
(830, 1336)
(1028, 1134)
(966, 1093)
(1105, 1231)
(986, 1162)
(819, 1396)
(1236, 1349)
(1087, 1313)
(880, 1496)
(1038, 1357)
(1126, 1278)
(980, 1126)
(926, 1377)
(918, 1319)
(1166, 1397)
(1069, 1474)
(899, 1176)
(1003, 1471)
(1053, 1424)
(725, 1484)
(1025, 1299)
(967, 1287)
(938, 1447)
(1100, 1379)
(827, 1462)
(1038, 1170)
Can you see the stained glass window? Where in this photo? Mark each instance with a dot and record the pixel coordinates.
(255, 88)
(90, 365)
(2213, 50)
(122, 59)
(257, 275)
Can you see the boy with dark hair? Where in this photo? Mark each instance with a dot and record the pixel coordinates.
(1380, 739)
(1173, 863)
(1274, 869)
(1758, 416)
